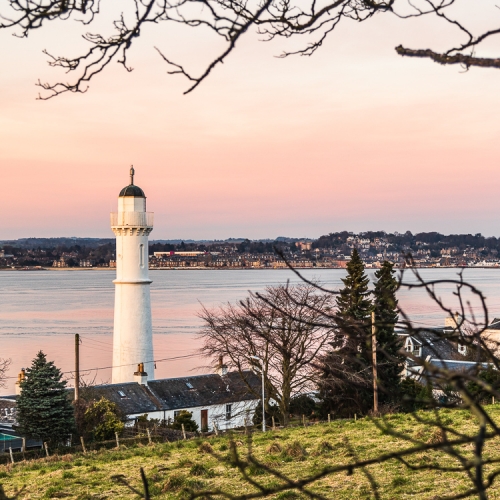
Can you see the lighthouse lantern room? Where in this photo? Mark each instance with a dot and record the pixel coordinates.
(132, 333)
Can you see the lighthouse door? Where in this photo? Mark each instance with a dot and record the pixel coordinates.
(204, 420)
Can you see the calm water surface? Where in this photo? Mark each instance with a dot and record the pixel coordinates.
(44, 309)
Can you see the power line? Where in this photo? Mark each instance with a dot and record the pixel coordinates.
(129, 364)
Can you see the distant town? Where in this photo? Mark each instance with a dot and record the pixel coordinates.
(329, 251)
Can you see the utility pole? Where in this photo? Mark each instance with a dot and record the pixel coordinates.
(77, 366)
(374, 365)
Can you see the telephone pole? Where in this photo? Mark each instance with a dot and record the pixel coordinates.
(374, 365)
(77, 366)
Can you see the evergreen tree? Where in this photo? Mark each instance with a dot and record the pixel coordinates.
(389, 358)
(353, 302)
(345, 372)
(44, 410)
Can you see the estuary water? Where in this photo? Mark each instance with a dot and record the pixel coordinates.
(42, 310)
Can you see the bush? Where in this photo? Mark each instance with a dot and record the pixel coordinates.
(185, 417)
(414, 395)
(272, 411)
(491, 377)
(102, 420)
(303, 405)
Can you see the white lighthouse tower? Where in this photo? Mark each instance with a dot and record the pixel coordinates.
(133, 333)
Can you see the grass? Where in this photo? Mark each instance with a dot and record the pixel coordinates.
(297, 453)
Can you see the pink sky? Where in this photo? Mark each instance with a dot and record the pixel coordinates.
(353, 138)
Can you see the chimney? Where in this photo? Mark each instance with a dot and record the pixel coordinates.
(453, 321)
(221, 367)
(20, 378)
(140, 376)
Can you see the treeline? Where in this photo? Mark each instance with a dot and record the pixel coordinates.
(408, 239)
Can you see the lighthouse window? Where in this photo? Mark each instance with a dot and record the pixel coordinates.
(141, 254)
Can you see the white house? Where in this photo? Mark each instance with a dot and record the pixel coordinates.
(226, 399)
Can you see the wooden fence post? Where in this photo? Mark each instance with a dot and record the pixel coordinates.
(183, 431)
(149, 436)
(23, 449)
(46, 448)
(117, 440)
(274, 425)
(83, 445)
(328, 418)
(355, 417)
(11, 455)
(215, 428)
(304, 420)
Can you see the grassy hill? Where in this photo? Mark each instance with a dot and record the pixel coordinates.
(296, 453)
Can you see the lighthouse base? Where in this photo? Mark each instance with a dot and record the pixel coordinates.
(133, 331)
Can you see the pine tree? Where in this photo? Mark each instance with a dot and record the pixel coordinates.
(389, 358)
(353, 302)
(346, 384)
(44, 410)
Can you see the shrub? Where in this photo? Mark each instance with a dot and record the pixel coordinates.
(491, 377)
(185, 417)
(414, 395)
(272, 411)
(303, 405)
(102, 420)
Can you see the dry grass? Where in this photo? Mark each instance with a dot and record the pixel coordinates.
(172, 468)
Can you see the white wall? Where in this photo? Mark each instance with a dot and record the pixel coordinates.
(216, 413)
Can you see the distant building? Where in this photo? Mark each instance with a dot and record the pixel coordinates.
(60, 263)
(304, 245)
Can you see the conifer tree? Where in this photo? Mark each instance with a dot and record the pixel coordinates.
(353, 302)
(44, 410)
(345, 384)
(389, 358)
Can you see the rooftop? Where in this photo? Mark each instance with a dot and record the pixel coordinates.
(132, 189)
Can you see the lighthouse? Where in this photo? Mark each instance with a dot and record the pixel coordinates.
(132, 332)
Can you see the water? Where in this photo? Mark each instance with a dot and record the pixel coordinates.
(44, 309)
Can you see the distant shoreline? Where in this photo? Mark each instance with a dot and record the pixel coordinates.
(193, 268)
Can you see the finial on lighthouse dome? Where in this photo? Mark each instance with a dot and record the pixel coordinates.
(132, 189)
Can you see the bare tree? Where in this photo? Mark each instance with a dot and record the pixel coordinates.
(279, 327)
(230, 20)
(4, 367)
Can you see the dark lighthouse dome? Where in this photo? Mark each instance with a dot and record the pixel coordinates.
(131, 189)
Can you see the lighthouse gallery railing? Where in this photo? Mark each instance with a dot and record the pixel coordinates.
(134, 219)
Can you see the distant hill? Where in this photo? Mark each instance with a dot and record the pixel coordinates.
(55, 242)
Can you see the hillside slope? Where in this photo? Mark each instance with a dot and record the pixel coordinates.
(296, 453)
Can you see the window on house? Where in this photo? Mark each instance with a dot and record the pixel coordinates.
(122, 394)
(189, 385)
(228, 412)
(176, 413)
(462, 349)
